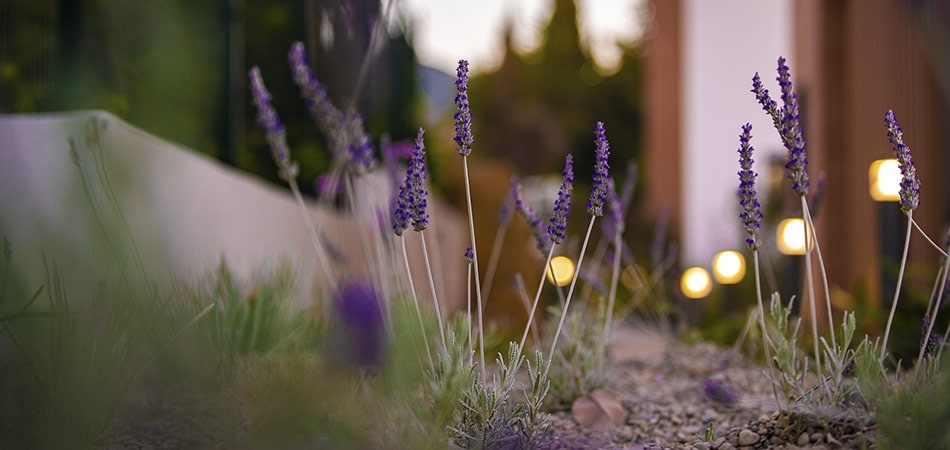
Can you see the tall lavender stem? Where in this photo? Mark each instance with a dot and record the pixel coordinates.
(909, 196)
(464, 140)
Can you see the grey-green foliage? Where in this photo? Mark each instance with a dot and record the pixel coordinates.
(915, 414)
(489, 416)
(792, 365)
(838, 385)
(576, 371)
(245, 321)
(67, 363)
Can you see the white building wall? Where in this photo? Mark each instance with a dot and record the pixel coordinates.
(725, 43)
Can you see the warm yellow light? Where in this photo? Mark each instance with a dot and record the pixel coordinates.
(885, 178)
(561, 270)
(695, 283)
(791, 236)
(728, 267)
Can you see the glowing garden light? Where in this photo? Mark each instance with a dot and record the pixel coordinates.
(695, 283)
(790, 236)
(561, 270)
(885, 180)
(728, 267)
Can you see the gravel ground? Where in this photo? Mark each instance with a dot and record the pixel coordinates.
(659, 385)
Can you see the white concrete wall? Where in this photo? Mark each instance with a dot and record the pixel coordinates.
(725, 43)
(185, 212)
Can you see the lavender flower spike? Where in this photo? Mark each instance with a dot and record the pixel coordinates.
(768, 105)
(463, 117)
(529, 216)
(791, 132)
(598, 191)
(401, 210)
(416, 184)
(562, 206)
(347, 138)
(273, 129)
(751, 213)
(469, 256)
(910, 186)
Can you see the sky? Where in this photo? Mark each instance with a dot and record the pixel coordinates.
(445, 31)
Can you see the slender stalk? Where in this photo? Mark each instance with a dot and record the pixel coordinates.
(351, 193)
(570, 293)
(810, 280)
(523, 295)
(897, 290)
(942, 279)
(493, 260)
(478, 288)
(934, 244)
(824, 273)
(762, 329)
(415, 302)
(315, 242)
(468, 309)
(534, 305)
(611, 297)
(435, 298)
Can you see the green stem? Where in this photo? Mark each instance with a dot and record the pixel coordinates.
(765, 337)
(810, 280)
(493, 260)
(534, 305)
(897, 290)
(415, 302)
(824, 273)
(611, 297)
(570, 293)
(435, 298)
(478, 288)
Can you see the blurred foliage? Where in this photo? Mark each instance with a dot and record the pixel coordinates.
(178, 69)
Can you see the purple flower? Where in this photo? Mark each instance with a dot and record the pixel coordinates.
(529, 216)
(768, 105)
(416, 185)
(910, 186)
(401, 210)
(614, 222)
(508, 205)
(791, 132)
(848, 369)
(328, 185)
(598, 191)
(562, 206)
(273, 129)
(361, 323)
(818, 196)
(934, 340)
(463, 117)
(787, 122)
(348, 141)
(720, 392)
(469, 255)
(750, 209)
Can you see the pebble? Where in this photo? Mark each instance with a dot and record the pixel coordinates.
(716, 443)
(803, 440)
(727, 446)
(817, 437)
(747, 437)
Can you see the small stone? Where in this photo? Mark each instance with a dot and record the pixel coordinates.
(763, 418)
(817, 437)
(716, 443)
(775, 440)
(803, 440)
(727, 446)
(701, 446)
(747, 437)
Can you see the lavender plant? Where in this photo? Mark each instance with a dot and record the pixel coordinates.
(787, 122)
